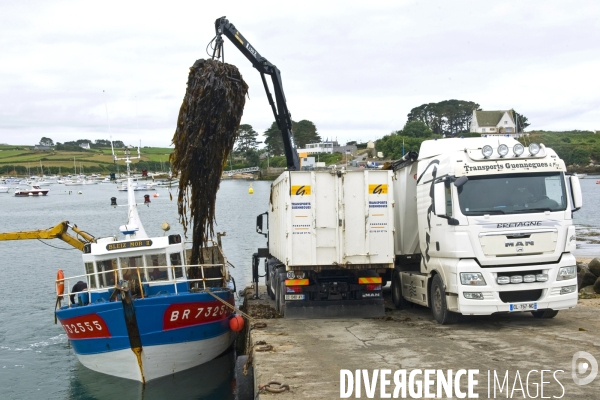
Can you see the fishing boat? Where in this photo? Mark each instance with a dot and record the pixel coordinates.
(34, 190)
(139, 311)
(4, 189)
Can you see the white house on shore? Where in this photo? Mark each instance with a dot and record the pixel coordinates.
(495, 123)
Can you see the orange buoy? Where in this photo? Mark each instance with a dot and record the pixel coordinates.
(236, 323)
(60, 282)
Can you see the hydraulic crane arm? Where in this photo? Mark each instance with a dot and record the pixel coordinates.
(279, 106)
(60, 231)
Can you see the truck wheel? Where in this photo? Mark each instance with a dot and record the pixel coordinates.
(269, 291)
(438, 303)
(544, 313)
(282, 292)
(399, 301)
(277, 295)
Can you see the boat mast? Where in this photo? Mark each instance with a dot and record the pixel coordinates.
(133, 229)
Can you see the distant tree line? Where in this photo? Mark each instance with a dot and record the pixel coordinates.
(102, 168)
(247, 154)
(575, 147)
(75, 145)
(452, 118)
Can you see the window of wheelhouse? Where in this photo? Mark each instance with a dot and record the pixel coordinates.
(106, 272)
(157, 267)
(129, 266)
(177, 264)
(91, 276)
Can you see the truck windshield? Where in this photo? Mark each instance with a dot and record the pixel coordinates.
(513, 193)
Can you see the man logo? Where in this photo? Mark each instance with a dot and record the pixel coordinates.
(301, 190)
(519, 243)
(378, 189)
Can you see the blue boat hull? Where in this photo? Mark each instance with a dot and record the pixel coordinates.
(171, 333)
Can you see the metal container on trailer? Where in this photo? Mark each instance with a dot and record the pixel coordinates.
(332, 218)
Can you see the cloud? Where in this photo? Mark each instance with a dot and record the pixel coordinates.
(354, 68)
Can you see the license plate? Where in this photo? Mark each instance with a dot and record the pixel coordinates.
(523, 307)
(294, 297)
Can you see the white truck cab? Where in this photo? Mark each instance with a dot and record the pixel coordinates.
(484, 225)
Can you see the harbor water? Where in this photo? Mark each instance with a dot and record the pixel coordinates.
(36, 361)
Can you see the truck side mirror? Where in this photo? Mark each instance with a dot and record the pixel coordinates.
(461, 181)
(439, 199)
(259, 224)
(576, 193)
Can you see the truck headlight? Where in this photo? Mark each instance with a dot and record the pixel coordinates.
(503, 280)
(568, 289)
(516, 279)
(566, 273)
(534, 148)
(473, 295)
(472, 278)
(487, 151)
(503, 150)
(518, 149)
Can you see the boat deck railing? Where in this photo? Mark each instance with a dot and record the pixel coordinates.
(211, 275)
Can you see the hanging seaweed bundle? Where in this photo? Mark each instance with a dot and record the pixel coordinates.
(207, 128)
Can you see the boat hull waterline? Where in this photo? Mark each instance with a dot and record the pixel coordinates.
(176, 332)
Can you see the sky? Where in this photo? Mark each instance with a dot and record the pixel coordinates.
(94, 69)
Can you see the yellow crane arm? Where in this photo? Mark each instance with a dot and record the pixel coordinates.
(60, 231)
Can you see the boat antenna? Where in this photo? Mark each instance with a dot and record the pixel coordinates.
(107, 119)
(133, 228)
(113, 150)
(137, 121)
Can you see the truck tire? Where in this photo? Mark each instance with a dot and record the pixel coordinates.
(439, 307)
(282, 299)
(544, 313)
(277, 294)
(269, 280)
(399, 301)
(269, 291)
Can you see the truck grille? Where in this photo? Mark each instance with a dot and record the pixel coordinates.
(518, 296)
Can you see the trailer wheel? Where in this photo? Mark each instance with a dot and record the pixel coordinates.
(399, 301)
(277, 294)
(439, 307)
(282, 299)
(269, 291)
(544, 313)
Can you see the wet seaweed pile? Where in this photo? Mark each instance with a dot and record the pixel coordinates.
(206, 133)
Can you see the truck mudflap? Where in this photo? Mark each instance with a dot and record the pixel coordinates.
(365, 308)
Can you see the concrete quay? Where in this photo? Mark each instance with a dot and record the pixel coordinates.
(508, 350)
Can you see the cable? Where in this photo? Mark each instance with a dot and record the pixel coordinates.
(59, 248)
(209, 45)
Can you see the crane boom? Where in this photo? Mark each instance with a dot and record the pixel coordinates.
(264, 67)
(60, 231)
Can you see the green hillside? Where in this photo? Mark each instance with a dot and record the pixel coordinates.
(21, 159)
